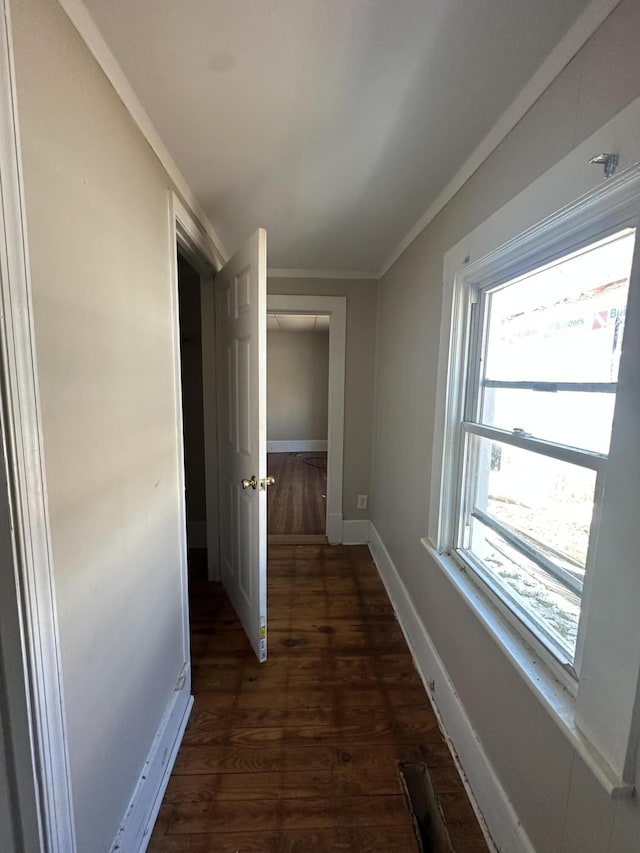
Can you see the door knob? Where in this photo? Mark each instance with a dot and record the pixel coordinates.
(252, 483)
(267, 481)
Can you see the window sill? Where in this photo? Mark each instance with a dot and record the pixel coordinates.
(553, 695)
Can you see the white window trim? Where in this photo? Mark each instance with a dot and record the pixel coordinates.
(607, 741)
(604, 213)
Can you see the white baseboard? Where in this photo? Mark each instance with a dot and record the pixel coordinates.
(197, 534)
(483, 786)
(297, 446)
(137, 824)
(355, 532)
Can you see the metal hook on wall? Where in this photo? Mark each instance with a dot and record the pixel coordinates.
(609, 161)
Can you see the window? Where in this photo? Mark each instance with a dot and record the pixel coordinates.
(542, 355)
(535, 489)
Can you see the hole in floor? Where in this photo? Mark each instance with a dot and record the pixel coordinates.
(426, 816)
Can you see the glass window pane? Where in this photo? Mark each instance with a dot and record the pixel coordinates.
(552, 347)
(527, 519)
(542, 597)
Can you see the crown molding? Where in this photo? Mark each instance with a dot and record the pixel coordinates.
(335, 274)
(77, 13)
(573, 40)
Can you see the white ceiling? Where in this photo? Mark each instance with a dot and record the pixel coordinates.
(332, 123)
(297, 322)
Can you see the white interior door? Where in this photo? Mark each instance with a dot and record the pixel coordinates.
(241, 358)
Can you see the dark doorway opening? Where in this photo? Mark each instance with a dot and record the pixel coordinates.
(192, 416)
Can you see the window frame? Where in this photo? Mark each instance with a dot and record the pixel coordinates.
(606, 741)
(473, 304)
(523, 255)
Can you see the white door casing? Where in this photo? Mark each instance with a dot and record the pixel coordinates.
(36, 802)
(336, 307)
(241, 353)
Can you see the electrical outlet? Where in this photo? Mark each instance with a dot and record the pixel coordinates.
(362, 501)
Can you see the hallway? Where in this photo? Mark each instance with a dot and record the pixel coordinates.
(300, 753)
(297, 503)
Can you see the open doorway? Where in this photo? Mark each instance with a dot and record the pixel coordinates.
(297, 424)
(335, 308)
(190, 319)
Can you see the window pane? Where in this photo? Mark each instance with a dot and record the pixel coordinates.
(540, 596)
(527, 519)
(552, 347)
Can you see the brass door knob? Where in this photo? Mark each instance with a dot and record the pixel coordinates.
(267, 481)
(252, 483)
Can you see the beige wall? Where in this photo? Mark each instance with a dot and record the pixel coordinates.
(359, 370)
(100, 248)
(297, 385)
(561, 806)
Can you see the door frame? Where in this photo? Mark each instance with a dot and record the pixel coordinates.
(32, 713)
(336, 308)
(206, 259)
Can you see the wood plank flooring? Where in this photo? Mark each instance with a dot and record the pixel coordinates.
(296, 503)
(300, 754)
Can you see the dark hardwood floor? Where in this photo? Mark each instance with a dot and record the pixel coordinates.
(296, 503)
(300, 754)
